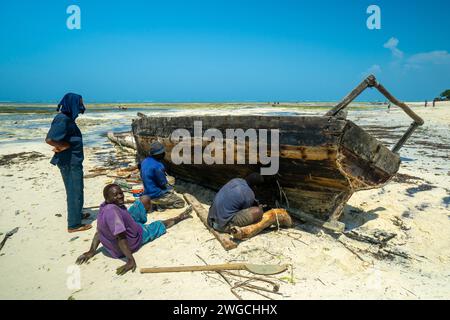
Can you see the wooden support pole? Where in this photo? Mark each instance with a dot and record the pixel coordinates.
(224, 238)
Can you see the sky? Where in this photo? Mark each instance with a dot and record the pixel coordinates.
(221, 51)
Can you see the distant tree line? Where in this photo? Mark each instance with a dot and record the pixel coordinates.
(445, 95)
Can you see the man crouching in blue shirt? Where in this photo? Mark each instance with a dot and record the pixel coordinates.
(153, 175)
(235, 204)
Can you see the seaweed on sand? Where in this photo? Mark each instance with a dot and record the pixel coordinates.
(12, 158)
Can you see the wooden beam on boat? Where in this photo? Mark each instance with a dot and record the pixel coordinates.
(224, 238)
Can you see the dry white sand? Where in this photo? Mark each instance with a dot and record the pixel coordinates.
(35, 262)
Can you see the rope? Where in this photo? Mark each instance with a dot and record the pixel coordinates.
(282, 194)
(278, 222)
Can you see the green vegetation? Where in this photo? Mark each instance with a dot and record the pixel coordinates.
(446, 94)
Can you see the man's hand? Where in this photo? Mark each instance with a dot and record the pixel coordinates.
(58, 146)
(130, 265)
(85, 257)
(60, 149)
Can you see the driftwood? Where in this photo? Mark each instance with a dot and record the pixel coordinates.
(123, 173)
(99, 169)
(124, 139)
(121, 176)
(128, 169)
(224, 238)
(379, 246)
(93, 175)
(278, 217)
(377, 237)
(7, 236)
(332, 225)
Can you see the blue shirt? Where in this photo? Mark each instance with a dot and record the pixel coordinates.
(236, 195)
(64, 128)
(153, 175)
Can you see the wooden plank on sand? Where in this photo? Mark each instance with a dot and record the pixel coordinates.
(224, 238)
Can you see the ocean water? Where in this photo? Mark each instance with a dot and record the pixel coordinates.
(31, 123)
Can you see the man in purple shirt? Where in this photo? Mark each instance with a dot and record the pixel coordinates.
(120, 234)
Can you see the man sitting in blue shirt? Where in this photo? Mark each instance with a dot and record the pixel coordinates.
(153, 175)
(235, 204)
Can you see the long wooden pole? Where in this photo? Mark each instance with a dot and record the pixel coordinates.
(211, 267)
(224, 238)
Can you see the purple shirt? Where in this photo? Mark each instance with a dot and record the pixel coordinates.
(113, 220)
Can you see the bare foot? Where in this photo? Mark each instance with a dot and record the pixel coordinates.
(186, 213)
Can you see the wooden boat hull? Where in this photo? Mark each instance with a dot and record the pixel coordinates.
(323, 160)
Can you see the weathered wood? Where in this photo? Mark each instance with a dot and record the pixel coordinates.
(224, 238)
(378, 237)
(321, 158)
(124, 139)
(272, 217)
(334, 225)
(94, 175)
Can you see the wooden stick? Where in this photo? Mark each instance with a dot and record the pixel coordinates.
(224, 238)
(211, 267)
(351, 250)
(221, 273)
(93, 175)
(334, 225)
(7, 236)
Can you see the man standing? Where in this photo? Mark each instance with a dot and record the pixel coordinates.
(235, 204)
(153, 175)
(65, 136)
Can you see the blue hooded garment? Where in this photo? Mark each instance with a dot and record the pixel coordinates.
(71, 105)
(64, 128)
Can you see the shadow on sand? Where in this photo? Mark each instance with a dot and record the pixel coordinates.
(354, 217)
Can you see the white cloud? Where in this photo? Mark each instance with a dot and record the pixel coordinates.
(437, 60)
(433, 57)
(392, 44)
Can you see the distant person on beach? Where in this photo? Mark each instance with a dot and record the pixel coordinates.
(65, 136)
(123, 232)
(235, 204)
(426, 103)
(153, 175)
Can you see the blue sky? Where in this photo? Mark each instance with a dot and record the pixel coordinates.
(230, 50)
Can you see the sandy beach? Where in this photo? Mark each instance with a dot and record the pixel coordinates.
(38, 261)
